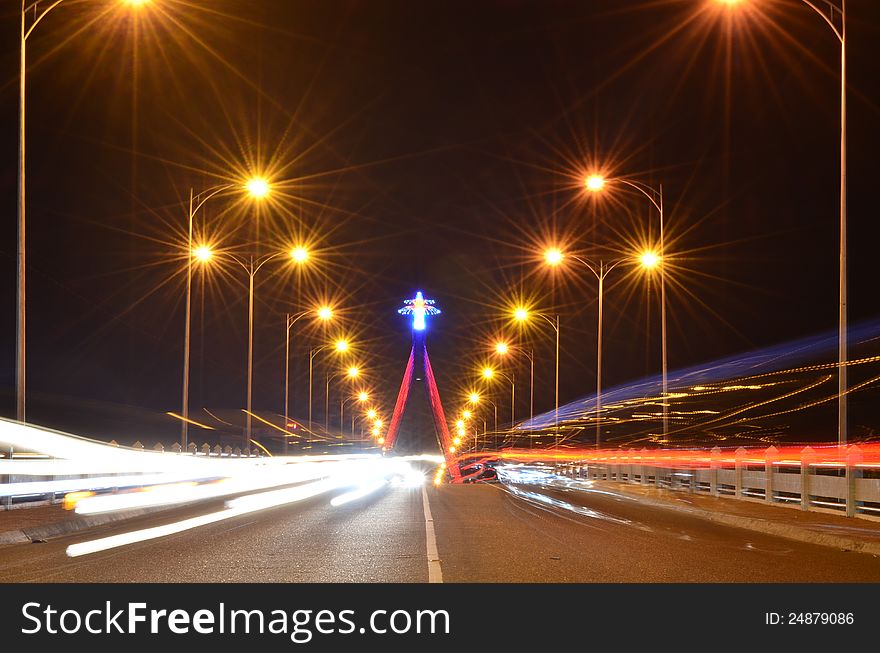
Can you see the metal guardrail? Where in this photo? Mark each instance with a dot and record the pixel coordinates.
(27, 496)
(847, 486)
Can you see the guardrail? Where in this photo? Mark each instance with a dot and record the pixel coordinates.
(831, 479)
(25, 481)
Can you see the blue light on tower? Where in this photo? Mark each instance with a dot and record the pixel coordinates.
(419, 308)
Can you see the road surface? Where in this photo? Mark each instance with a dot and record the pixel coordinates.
(483, 533)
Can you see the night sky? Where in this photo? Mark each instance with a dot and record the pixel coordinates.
(434, 146)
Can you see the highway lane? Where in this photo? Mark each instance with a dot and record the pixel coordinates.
(484, 533)
(496, 535)
(378, 539)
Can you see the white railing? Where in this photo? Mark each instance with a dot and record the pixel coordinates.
(849, 486)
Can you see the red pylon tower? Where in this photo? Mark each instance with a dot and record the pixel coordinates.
(419, 366)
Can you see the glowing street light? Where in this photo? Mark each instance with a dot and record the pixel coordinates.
(203, 253)
(503, 349)
(299, 254)
(459, 424)
(324, 314)
(372, 414)
(649, 260)
(378, 423)
(361, 397)
(553, 256)
(466, 414)
(522, 315)
(600, 270)
(196, 202)
(340, 346)
(833, 12)
(251, 266)
(258, 187)
(594, 183)
(475, 398)
(36, 13)
(655, 196)
(352, 372)
(488, 374)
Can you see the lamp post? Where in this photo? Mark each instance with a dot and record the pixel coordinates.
(596, 183)
(340, 346)
(361, 397)
(522, 314)
(352, 372)
(324, 313)
(833, 11)
(488, 373)
(474, 399)
(251, 266)
(503, 349)
(203, 254)
(38, 14)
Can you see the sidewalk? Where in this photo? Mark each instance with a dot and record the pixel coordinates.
(34, 524)
(826, 529)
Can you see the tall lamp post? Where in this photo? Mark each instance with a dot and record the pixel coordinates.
(340, 346)
(830, 17)
(522, 314)
(361, 397)
(325, 313)
(474, 399)
(503, 349)
(600, 270)
(352, 372)
(597, 183)
(256, 188)
(38, 13)
(251, 266)
(488, 374)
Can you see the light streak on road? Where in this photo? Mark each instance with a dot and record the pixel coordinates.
(365, 475)
(360, 493)
(104, 543)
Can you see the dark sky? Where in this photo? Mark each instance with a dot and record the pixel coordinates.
(435, 146)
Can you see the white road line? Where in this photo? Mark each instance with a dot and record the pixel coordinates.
(434, 573)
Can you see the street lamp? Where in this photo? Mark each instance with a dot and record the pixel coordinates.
(522, 314)
(341, 346)
(324, 313)
(596, 183)
(475, 398)
(503, 349)
(37, 15)
(840, 33)
(361, 397)
(202, 254)
(489, 374)
(251, 266)
(352, 372)
(600, 270)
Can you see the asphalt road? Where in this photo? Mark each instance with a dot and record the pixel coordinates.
(484, 533)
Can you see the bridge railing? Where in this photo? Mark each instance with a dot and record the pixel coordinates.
(16, 489)
(845, 482)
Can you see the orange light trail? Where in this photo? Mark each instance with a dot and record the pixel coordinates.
(190, 421)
